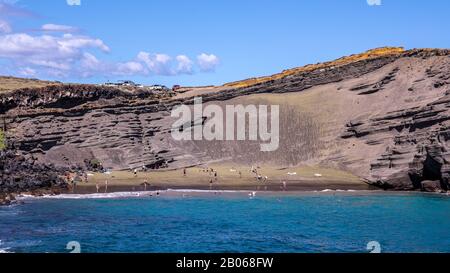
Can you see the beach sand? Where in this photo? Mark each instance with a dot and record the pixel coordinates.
(306, 178)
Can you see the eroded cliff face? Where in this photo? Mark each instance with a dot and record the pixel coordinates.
(383, 117)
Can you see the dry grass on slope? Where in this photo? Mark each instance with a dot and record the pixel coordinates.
(370, 54)
(12, 83)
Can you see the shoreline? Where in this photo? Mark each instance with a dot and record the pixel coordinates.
(270, 187)
(188, 193)
(223, 176)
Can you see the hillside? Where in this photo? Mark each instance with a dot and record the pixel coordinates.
(382, 115)
(13, 83)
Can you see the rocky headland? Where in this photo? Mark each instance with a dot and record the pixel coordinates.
(383, 115)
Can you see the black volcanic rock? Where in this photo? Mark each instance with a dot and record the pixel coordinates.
(432, 186)
(23, 174)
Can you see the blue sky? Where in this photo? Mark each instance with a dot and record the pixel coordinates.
(202, 42)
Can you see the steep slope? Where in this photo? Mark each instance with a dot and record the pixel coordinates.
(381, 115)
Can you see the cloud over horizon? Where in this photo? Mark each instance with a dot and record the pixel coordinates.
(374, 2)
(207, 62)
(58, 28)
(60, 51)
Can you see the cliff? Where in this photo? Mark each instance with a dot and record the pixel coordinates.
(382, 115)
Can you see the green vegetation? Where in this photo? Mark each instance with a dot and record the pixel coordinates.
(2, 140)
(95, 163)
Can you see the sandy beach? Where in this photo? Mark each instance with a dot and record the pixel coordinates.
(228, 177)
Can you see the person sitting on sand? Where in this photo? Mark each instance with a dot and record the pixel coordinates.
(135, 172)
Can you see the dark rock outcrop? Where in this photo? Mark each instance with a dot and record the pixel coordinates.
(24, 174)
(432, 186)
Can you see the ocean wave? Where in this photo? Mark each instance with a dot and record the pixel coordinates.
(112, 195)
(5, 249)
(338, 190)
(206, 191)
(138, 194)
(117, 195)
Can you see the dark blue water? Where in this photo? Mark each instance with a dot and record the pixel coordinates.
(274, 223)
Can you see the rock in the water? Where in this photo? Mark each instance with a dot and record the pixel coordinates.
(431, 186)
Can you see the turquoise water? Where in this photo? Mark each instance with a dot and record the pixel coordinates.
(314, 222)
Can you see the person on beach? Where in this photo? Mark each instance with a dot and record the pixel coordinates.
(215, 176)
(135, 172)
(106, 186)
(146, 184)
(97, 186)
(210, 184)
(240, 174)
(284, 185)
(75, 180)
(184, 172)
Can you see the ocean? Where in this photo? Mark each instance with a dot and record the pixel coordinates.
(192, 222)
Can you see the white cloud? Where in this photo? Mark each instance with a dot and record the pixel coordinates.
(130, 68)
(90, 62)
(185, 65)
(73, 2)
(374, 2)
(46, 51)
(159, 64)
(207, 62)
(58, 28)
(28, 72)
(59, 51)
(5, 27)
(75, 55)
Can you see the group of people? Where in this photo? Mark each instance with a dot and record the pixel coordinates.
(73, 179)
(260, 178)
(212, 174)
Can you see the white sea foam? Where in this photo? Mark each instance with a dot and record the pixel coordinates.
(116, 195)
(137, 194)
(112, 195)
(205, 191)
(338, 190)
(4, 249)
(89, 196)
